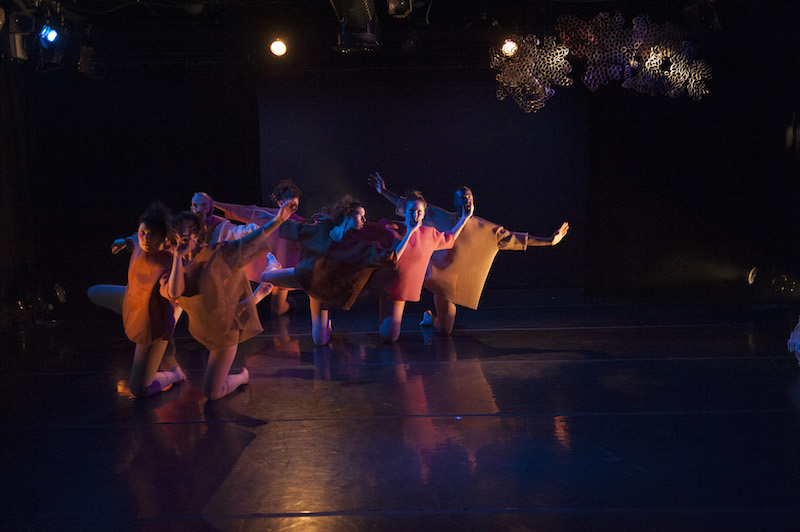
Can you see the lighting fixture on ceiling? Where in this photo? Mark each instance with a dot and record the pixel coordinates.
(400, 8)
(358, 31)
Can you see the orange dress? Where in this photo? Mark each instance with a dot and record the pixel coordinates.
(217, 297)
(146, 314)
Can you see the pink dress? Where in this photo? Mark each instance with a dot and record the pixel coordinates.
(146, 314)
(404, 283)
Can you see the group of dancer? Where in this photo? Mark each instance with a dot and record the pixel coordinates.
(206, 266)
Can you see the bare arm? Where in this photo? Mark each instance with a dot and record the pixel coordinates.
(549, 241)
(401, 246)
(242, 213)
(122, 243)
(176, 282)
(466, 214)
(375, 180)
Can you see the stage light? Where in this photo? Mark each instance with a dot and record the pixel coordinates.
(358, 31)
(278, 47)
(48, 34)
(509, 48)
(400, 8)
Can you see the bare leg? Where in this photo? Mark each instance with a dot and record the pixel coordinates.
(109, 296)
(445, 315)
(217, 382)
(283, 278)
(145, 379)
(391, 313)
(279, 302)
(320, 324)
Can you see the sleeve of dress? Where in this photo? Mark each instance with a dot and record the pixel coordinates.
(246, 213)
(508, 241)
(240, 231)
(443, 240)
(290, 230)
(239, 252)
(377, 232)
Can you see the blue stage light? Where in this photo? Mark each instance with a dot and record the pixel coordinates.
(48, 34)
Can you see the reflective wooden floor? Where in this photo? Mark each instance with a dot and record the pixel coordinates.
(540, 416)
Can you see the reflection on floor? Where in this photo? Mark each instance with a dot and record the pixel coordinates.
(537, 417)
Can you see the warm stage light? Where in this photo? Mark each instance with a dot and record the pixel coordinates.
(277, 47)
(509, 48)
(751, 276)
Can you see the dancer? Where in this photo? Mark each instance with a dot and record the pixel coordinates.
(148, 316)
(339, 251)
(209, 283)
(219, 229)
(457, 276)
(284, 253)
(406, 284)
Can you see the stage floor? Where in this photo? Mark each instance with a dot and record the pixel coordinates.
(553, 415)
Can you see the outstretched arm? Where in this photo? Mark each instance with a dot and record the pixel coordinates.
(551, 241)
(122, 243)
(375, 180)
(243, 213)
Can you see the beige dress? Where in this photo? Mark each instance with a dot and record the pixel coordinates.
(459, 274)
(217, 297)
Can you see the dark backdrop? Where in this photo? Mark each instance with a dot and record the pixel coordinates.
(666, 198)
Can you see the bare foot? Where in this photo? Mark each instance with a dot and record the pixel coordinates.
(262, 291)
(179, 372)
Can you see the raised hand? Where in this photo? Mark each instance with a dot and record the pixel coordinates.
(560, 234)
(118, 245)
(376, 181)
(287, 208)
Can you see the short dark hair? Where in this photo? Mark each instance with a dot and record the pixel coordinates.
(287, 185)
(342, 209)
(185, 216)
(156, 217)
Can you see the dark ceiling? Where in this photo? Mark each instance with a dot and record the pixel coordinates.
(126, 33)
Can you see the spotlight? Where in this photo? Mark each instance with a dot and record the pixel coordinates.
(358, 30)
(278, 47)
(48, 35)
(400, 8)
(509, 48)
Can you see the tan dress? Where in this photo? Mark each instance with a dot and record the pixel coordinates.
(459, 274)
(217, 297)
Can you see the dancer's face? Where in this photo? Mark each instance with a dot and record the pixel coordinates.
(202, 205)
(463, 198)
(290, 198)
(186, 232)
(149, 241)
(415, 212)
(357, 220)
